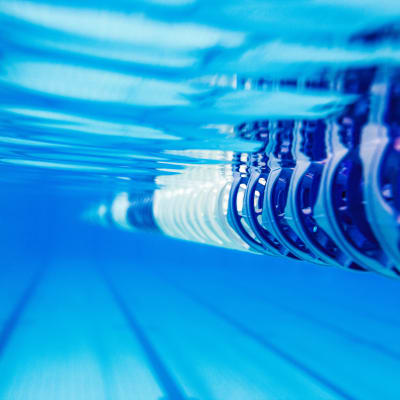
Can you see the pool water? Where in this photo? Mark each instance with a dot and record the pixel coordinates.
(101, 98)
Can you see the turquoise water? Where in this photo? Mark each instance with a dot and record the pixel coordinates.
(112, 90)
(102, 97)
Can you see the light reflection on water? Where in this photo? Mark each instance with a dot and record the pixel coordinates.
(118, 89)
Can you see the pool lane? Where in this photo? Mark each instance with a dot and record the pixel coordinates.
(356, 354)
(208, 357)
(316, 302)
(72, 343)
(90, 328)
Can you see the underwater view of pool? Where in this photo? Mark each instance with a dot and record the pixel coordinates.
(199, 200)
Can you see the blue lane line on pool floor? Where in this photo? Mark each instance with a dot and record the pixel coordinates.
(328, 325)
(164, 378)
(12, 321)
(332, 327)
(264, 342)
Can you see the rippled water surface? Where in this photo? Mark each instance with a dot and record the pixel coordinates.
(108, 92)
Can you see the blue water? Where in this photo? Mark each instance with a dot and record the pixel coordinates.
(101, 97)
